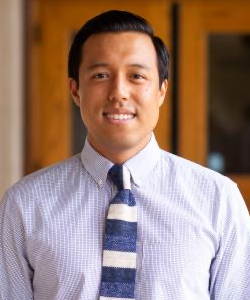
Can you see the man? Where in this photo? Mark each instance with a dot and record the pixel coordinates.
(193, 228)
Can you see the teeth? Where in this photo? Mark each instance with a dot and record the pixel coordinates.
(120, 116)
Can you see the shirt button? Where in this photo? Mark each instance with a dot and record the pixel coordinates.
(100, 182)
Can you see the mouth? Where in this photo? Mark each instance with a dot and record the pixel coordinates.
(119, 117)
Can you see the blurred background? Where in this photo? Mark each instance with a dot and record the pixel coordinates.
(206, 115)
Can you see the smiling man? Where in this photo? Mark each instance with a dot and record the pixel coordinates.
(123, 219)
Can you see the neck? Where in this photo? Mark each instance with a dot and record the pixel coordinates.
(119, 155)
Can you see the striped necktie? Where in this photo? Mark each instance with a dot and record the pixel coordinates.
(119, 249)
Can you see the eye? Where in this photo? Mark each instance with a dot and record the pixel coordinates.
(137, 76)
(100, 76)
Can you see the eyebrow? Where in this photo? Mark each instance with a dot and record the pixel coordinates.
(96, 65)
(140, 66)
(103, 64)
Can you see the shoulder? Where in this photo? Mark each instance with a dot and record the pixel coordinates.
(198, 184)
(208, 191)
(187, 170)
(46, 182)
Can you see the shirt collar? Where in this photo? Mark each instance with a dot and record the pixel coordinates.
(95, 164)
(144, 161)
(139, 165)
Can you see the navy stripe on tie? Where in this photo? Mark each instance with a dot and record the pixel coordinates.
(124, 197)
(121, 228)
(124, 275)
(116, 175)
(118, 290)
(120, 243)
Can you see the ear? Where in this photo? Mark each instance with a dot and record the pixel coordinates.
(163, 91)
(74, 90)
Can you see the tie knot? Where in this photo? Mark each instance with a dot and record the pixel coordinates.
(120, 176)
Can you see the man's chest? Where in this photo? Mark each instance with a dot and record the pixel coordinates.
(174, 252)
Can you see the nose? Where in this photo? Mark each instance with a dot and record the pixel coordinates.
(119, 89)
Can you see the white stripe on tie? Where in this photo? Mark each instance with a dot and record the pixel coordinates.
(112, 298)
(123, 212)
(126, 179)
(118, 259)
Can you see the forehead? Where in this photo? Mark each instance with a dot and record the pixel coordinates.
(115, 46)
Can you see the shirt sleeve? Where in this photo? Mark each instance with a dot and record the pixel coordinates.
(230, 269)
(15, 272)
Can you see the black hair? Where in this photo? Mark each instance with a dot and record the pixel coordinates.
(115, 21)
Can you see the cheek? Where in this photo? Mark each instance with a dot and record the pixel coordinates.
(145, 95)
(85, 107)
(89, 100)
(150, 98)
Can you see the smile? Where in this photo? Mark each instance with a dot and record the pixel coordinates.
(120, 116)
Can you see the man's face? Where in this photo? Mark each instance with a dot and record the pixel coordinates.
(118, 93)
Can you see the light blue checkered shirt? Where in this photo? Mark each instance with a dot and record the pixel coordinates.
(193, 231)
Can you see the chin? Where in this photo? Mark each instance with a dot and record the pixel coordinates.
(124, 143)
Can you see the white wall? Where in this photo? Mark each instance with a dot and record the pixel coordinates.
(11, 92)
